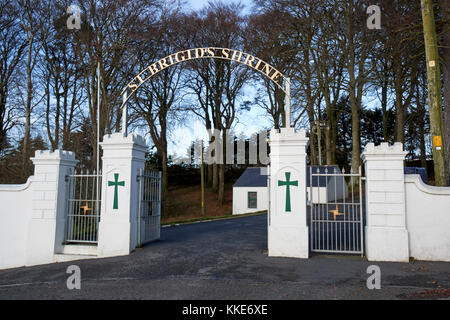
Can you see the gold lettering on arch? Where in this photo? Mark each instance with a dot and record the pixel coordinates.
(225, 53)
(207, 52)
(249, 60)
(237, 56)
(163, 63)
(153, 69)
(133, 87)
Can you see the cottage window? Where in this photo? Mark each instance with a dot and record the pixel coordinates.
(252, 200)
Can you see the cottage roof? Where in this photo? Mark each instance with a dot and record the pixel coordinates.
(252, 177)
(256, 177)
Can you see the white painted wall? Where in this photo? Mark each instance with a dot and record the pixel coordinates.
(288, 233)
(32, 215)
(240, 199)
(319, 195)
(118, 227)
(15, 215)
(427, 220)
(386, 236)
(405, 217)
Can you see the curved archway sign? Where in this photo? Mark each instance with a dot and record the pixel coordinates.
(201, 53)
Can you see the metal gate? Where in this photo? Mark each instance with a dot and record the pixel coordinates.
(335, 205)
(83, 207)
(149, 214)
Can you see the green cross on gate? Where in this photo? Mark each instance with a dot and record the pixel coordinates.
(116, 184)
(288, 183)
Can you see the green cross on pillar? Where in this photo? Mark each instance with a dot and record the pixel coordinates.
(116, 184)
(288, 183)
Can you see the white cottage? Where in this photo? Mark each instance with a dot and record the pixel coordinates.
(250, 191)
(328, 184)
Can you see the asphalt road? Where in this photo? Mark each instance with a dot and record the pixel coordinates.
(224, 259)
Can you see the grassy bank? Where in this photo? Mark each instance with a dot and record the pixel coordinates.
(199, 219)
(184, 203)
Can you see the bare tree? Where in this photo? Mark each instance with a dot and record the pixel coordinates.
(35, 20)
(304, 27)
(216, 84)
(222, 26)
(61, 78)
(329, 61)
(267, 37)
(356, 44)
(12, 48)
(108, 31)
(154, 102)
(402, 36)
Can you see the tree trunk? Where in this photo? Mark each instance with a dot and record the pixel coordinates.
(312, 143)
(209, 175)
(400, 112)
(334, 133)
(328, 146)
(27, 137)
(164, 181)
(215, 180)
(384, 90)
(3, 133)
(221, 196)
(423, 154)
(421, 114)
(356, 137)
(57, 116)
(47, 114)
(164, 178)
(354, 86)
(355, 111)
(95, 120)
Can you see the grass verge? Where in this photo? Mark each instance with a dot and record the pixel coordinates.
(200, 219)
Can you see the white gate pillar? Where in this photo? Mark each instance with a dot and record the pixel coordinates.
(122, 159)
(386, 236)
(46, 228)
(287, 227)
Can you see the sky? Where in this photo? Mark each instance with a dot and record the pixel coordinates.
(199, 4)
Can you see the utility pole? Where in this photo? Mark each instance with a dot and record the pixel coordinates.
(434, 91)
(202, 182)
